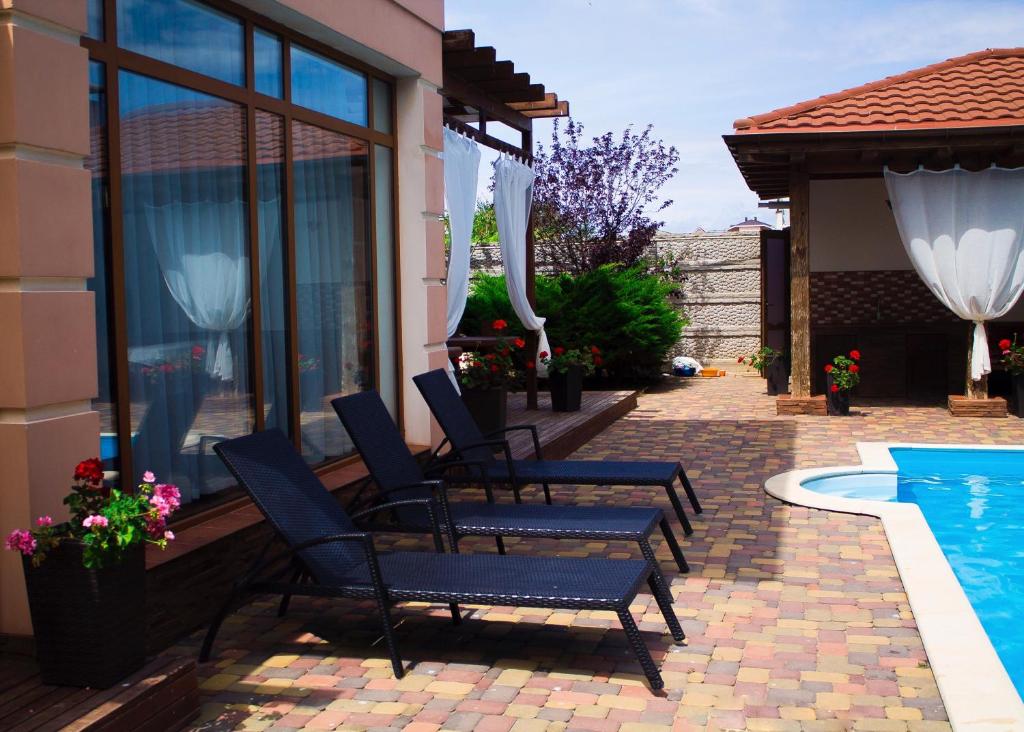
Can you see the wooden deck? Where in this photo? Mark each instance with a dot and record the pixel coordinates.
(562, 433)
(163, 696)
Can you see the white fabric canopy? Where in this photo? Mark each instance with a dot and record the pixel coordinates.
(461, 168)
(963, 233)
(513, 195)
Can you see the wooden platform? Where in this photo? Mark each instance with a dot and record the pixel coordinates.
(814, 406)
(562, 433)
(961, 406)
(163, 695)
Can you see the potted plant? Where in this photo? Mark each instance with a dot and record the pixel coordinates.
(841, 376)
(1013, 362)
(485, 378)
(566, 369)
(772, 366)
(86, 577)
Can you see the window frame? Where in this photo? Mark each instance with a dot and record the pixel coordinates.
(114, 59)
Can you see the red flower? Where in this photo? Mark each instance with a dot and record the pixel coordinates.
(90, 470)
(506, 351)
(499, 325)
(559, 350)
(543, 354)
(530, 364)
(520, 343)
(595, 350)
(598, 360)
(828, 368)
(494, 368)
(835, 388)
(739, 360)
(490, 357)
(854, 368)
(855, 354)
(1004, 345)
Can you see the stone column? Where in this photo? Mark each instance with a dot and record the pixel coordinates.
(47, 318)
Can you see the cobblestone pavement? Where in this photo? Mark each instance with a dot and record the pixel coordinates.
(796, 618)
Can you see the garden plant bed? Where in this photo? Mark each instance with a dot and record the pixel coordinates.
(789, 405)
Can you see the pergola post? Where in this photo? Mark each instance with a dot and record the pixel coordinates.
(799, 285)
(531, 285)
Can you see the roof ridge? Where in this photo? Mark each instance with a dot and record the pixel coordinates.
(805, 106)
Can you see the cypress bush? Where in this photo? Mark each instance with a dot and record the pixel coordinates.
(623, 311)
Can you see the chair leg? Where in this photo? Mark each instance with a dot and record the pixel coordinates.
(642, 654)
(661, 592)
(673, 546)
(500, 544)
(453, 607)
(690, 493)
(547, 494)
(389, 638)
(677, 506)
(286, 598)
(204, 652)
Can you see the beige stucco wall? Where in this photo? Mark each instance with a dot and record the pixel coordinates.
(47, 359)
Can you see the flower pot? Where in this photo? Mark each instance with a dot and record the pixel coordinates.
(489, 407)
(1017, 394)
(89, 624)
(777, 377)
(566, 389)
(837, 403)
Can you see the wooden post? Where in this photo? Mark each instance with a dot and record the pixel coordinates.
(974, 389)
(799, 285)
(531, 294)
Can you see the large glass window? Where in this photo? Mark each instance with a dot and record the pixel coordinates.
(184, 33)
(186, 278)
(327, 86)
(252, 236)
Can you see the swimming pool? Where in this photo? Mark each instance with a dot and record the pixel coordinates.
(973, 502)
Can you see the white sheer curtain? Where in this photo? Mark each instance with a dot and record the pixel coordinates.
(461, 169)
(201, 247)
(513, 196)
(963, 233)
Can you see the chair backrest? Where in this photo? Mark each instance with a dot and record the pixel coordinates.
(380, 444)
(295, 502)
(452, 414)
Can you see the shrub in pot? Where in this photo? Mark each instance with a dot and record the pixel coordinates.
(772, 366)
(840, 377)
(485, 379)
(86, 577)
(1013, 362)
(566, 369)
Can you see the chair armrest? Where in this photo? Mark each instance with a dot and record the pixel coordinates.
(519, 428)
(479, 464)
(427, 503)
(459, 454)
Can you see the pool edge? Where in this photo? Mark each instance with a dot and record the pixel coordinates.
(976, 690)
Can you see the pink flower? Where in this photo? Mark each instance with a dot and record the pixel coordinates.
(44, 521)
(169, 494)
(155, 527)
(148, 477)
(96, 520)
(169, 535)
(21, 541)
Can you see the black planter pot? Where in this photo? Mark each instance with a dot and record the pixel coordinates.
(777, 377)
(566, 389)
(1017, 394)
(489, 407)
(89, 624)
(837, 402)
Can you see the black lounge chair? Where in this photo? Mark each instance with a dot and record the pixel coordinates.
(469, 443)
(327, 556)
(396, 474)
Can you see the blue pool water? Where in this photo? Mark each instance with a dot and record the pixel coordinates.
(973, 501)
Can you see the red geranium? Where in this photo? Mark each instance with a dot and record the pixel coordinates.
(559, 350)
(854, 368)
(90, 470)
(499, 325)
(1004, 345)
(495, 368)
(828, 368)
(595, 350)
(855, 354)
(835, 388)
(741, 359)
(598, 361)
(530, 364)
(520, 343)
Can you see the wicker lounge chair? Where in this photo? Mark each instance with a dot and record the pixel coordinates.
(327, 556)
(394, 469)
(469, 443)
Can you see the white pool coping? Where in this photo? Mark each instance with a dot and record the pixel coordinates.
(975, 688)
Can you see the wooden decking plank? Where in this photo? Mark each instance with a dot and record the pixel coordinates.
(23, 695)
(64, 698)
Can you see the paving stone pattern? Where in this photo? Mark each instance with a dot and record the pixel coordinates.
(796, 618)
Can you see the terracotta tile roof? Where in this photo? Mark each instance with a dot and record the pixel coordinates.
(982, 89)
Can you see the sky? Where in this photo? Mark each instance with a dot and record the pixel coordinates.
(692, 67)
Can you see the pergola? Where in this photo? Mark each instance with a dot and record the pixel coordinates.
(479, 89)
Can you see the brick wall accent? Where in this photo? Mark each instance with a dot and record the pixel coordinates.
(884, 296)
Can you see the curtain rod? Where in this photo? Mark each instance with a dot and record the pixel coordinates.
(486, 140)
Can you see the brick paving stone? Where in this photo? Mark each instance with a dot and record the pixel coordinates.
(796, 618)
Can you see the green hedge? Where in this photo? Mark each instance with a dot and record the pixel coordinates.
(624, 312)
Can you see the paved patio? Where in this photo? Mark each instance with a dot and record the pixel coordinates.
(796, 618)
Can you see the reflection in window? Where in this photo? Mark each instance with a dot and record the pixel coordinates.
(381, 106)
(99, 284)
(184, 33)
(273, 313)
(268, 63)
(186, 279)
(333, 289)
(94, 28)
(326, 86)
(387, 355)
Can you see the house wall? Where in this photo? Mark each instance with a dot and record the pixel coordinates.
(47, 359)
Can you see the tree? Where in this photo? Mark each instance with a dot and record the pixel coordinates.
(592, 203)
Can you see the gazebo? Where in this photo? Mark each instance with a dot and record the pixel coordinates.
(851, 281)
